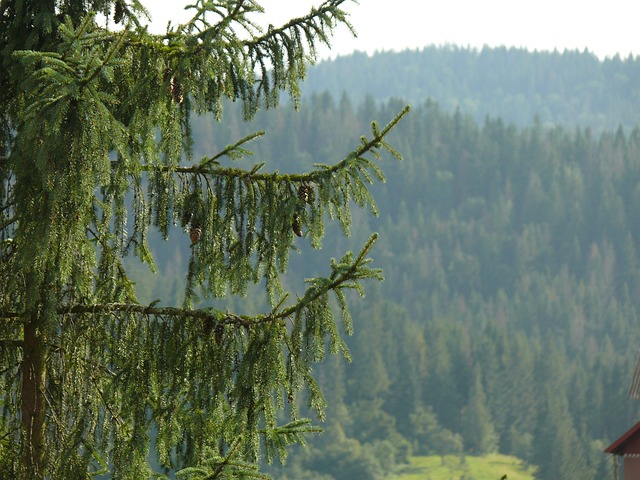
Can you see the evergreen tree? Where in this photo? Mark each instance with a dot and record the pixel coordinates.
(96, 150)
(478, 431)
(561, 454)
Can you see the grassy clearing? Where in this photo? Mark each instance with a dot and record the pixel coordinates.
(488, 467)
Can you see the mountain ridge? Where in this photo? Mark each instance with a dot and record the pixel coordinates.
(570, 88)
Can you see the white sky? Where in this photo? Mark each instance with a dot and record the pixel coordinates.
(604, 28)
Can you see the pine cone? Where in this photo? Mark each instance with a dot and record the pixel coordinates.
(305, 193)
(194, 234)
(207, 326)
(218, 333)
(118, 13)
(176, 90)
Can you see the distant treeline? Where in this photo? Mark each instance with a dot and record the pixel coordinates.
(568, 88)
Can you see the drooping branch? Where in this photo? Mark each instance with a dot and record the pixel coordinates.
(210, 166)
(108, 308)
(342, 276)
(106, 61)
(231, 249)
(329, 7)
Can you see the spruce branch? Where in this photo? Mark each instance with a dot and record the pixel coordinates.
(345, 274)
(208, 166)
(72, 35)
(280, 437)
(107, 60)
(235, 151)
(328, 12)
(220, 465)
(228, 15)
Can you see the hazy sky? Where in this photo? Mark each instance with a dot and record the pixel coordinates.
(603, 27)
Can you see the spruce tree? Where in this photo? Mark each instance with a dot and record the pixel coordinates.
(479, 433)
(95, 152)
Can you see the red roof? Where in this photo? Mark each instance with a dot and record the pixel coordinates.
(627, 443)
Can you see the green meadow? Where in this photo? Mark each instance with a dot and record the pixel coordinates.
(450, 467)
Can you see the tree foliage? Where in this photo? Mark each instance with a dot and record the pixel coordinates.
(97, 149)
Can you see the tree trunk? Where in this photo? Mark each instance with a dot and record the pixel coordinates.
(33, 402)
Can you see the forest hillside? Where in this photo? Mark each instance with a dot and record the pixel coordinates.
(508, 318)
(567, 88)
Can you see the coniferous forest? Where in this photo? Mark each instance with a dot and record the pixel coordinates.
(569, 87)
(508, 318)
